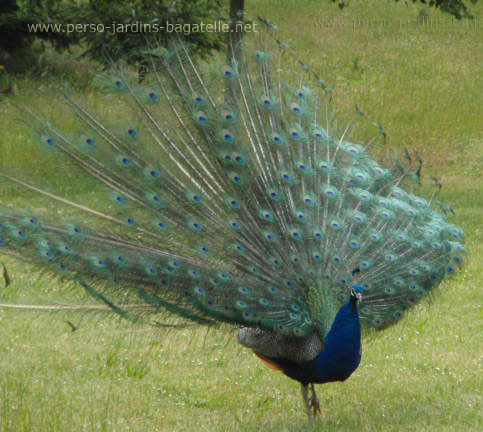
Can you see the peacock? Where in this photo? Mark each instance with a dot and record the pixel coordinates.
(229, 194)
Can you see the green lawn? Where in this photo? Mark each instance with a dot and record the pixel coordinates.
(425, 86)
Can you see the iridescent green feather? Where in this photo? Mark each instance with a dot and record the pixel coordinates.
(254, 211)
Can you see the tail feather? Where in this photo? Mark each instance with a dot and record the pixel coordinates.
(254, 211)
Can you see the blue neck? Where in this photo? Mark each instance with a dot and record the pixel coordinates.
(341, 354)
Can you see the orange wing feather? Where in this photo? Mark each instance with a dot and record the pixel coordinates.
(268, 362)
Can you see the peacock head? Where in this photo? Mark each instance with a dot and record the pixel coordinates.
(356, 292)
(357, 288)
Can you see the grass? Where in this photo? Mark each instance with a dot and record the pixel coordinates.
(424, 374)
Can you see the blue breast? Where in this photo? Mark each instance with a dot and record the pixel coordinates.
(341, 354)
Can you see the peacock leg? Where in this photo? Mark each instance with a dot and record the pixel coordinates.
(313, 401)
(312, 404)
(305, 396)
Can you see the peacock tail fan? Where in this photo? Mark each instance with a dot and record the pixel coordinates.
(227, 194)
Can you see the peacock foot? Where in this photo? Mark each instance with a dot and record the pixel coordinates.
(312, 403)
